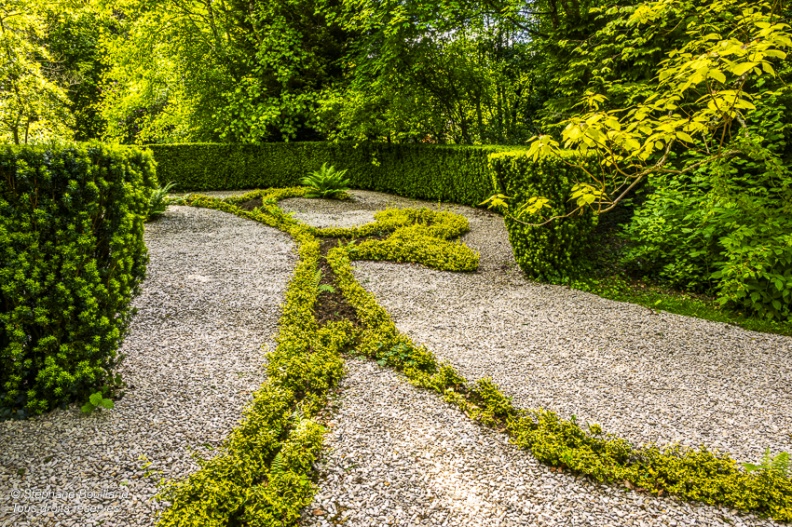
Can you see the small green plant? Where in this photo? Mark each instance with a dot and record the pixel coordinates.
(326, 288)
(327, 182)
(777, 465)
(159, 201)
(97, 400)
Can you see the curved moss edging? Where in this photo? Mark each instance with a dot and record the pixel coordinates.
(262, 475)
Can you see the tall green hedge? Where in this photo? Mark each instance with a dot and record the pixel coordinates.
(548, 252)
(456, 174)
(72, 252)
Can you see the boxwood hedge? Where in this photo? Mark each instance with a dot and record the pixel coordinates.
(72, 252)
(466, 175)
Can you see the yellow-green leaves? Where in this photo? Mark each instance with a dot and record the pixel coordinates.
(704, 93)
(533, 206)
(585, 194)
(542, 146)
(499, 202)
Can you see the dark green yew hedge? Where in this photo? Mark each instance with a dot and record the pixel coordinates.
(456, 174)
(548, 252)
(72, 254)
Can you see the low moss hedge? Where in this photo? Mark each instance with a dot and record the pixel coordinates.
(262, 475)
(72, 252)
(456, 174)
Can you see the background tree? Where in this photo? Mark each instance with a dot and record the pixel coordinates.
(32, 105)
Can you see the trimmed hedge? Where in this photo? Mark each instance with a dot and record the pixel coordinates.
(548, 252)
(456, 174)
(72, 251)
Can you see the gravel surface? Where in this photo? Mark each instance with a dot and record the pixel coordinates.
(211, 193)
(646, 377)
(194, 356)
(401, 456)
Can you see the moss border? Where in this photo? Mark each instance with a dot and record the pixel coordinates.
(262, 475)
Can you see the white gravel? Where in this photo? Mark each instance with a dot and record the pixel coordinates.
(212, 297)
(401, 456)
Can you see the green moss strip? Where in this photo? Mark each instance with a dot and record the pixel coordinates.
(262, 475)
(692, 474)
(415, 236)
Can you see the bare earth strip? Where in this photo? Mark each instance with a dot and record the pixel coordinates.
(211, 298)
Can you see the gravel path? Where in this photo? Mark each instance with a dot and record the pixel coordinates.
(211, 299)
(401, 456)
(644, 376)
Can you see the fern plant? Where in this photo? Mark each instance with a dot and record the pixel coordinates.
(327, 182)
(779, 464)
(159, 201)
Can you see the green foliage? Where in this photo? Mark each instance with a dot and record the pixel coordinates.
(95, 401)
(327, 182)
(219, 71)
(71, 240)
(698, 109)
(73, 39)
(158, 202)
(772, 465)
(550, 251)
(437, 173)
(726, 229)
(441, 72)
(32, 105)
(415, 235)
(709, 130)
(262, 474)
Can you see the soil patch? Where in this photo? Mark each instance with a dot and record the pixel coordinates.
(251, 204)
(331, 306)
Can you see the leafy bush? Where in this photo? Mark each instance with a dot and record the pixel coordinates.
(673, 238)
(548, 252)
(327, 182)
(71, 242)
(726, 229)
(158, 202)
